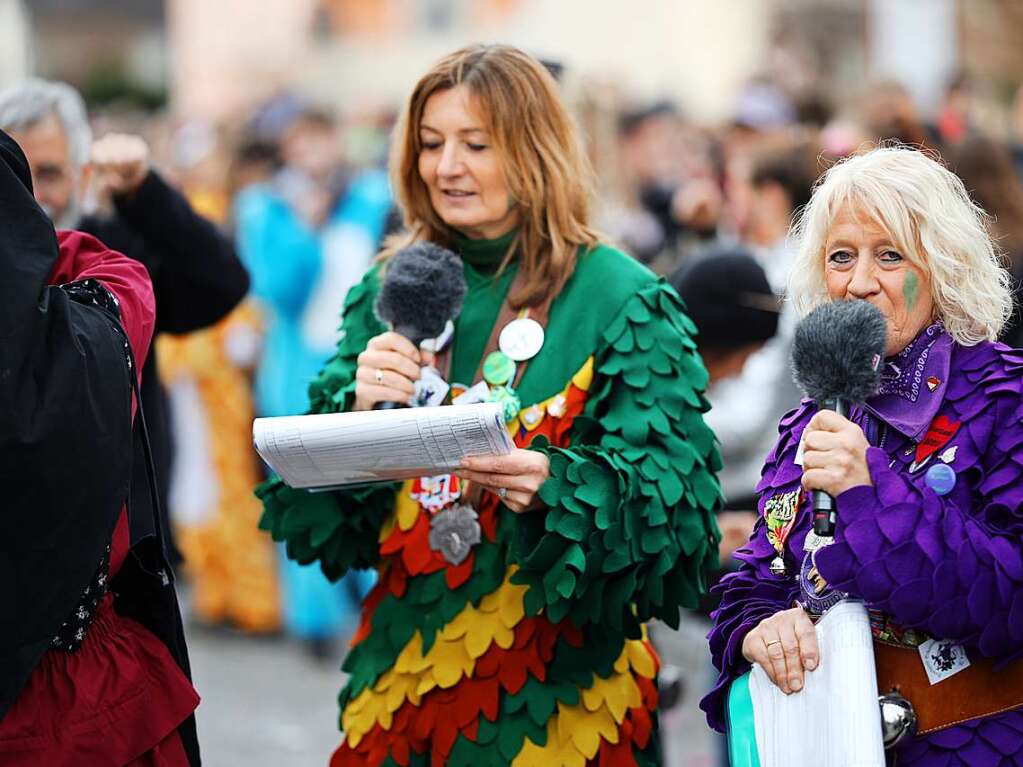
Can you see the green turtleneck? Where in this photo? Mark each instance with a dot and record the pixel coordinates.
(485, 294)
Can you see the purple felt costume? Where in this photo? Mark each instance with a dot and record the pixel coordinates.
(948, 565)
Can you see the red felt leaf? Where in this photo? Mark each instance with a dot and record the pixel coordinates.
(456, 576)
(648, 689)
(616, 754)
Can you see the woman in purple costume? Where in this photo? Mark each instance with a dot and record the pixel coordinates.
(927, 475)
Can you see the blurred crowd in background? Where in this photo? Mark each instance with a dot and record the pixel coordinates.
(299, 183)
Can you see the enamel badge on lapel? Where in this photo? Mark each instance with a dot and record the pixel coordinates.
(942, 430)
(780, 515)
(933, 382)
(454, 531)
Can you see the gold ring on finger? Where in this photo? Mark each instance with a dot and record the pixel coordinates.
(773, 641)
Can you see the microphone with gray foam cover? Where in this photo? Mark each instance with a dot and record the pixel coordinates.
(836, 360)
(423, 288)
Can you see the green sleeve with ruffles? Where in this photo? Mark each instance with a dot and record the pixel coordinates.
(629, 532)
(339, 528)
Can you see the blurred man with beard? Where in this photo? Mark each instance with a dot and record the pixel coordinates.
(197, 278)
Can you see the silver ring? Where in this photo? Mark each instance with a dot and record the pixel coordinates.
(379, 376)
(773, 641)
(502, 493)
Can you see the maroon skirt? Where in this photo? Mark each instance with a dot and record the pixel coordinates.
(117, 701)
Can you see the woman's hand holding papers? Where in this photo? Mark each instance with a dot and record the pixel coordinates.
(784, 645)
(515, 478)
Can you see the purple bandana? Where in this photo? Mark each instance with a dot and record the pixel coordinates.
(913, 383)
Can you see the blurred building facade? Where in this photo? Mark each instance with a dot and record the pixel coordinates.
(15, 41)
(213, 59)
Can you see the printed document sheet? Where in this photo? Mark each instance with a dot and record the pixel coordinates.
(323, 451)
(834, 721)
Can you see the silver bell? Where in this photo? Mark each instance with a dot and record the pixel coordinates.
(898, 719)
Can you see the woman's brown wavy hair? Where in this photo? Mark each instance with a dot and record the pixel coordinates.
(546, 169)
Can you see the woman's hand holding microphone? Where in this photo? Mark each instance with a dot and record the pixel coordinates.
(388, 370)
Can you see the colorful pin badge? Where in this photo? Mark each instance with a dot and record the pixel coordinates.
(508, 399)
(498, 368)
(933, 382)
(941, 478)
(942, 430)
(556, 407)
(531, 417)
(521, 339)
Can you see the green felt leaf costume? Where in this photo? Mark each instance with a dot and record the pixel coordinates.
(543, 624)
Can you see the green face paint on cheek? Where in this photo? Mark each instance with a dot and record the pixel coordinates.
(911, 290)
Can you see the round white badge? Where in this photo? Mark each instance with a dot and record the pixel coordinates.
(521, 339)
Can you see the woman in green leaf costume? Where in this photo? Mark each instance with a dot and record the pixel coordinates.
(528, 648)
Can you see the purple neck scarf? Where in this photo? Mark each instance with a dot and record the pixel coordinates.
(913, 383)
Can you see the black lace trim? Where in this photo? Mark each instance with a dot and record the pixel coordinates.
(72, 632)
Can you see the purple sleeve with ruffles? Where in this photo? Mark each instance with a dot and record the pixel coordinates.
(949, 565)
(753, 592)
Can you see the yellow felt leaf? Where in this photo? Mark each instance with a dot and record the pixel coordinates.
(406, 509)
(622, 694)
(404, 689)
(357, 725)
(459, 625)
(387, 528)
(593, 698)
(584, 378)
(426, 683)
(504, 638)
(585, 728)
(450, 663)
(410, 660)
(481, 634)
(622, 664)
(510, 604)
(556, 753)
(640, 658)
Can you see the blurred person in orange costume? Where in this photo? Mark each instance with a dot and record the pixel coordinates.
(207, 375)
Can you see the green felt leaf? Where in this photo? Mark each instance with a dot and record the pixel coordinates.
(671, 487)
(566, 584)
(637, 377)
(575, 527)
(626, 342)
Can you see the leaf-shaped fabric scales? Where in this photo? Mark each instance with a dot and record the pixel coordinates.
(646, 472)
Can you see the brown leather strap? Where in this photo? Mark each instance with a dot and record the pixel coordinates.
(539, 313)
(974, 692)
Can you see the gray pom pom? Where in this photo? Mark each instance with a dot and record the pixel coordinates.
(837, 351)
(423, 288)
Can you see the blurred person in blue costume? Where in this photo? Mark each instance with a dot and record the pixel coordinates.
(307, 236)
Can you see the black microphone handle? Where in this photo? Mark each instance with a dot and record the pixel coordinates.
(824, 511)
(390, 405)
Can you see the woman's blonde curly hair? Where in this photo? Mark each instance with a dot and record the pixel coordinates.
(930, 216)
